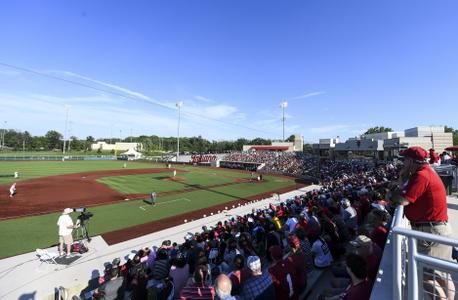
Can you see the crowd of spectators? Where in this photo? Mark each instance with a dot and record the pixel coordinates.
(287, 163)
(269, 253)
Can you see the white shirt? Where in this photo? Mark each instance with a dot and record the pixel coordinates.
(323, 256)
(13, 189)
(63, 223)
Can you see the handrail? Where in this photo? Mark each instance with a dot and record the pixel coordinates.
(397, 254)
(426, 236)
(400, 233)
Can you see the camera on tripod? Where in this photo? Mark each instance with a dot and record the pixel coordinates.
(84, 215)
(81, 221)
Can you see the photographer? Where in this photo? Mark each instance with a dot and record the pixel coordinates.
(66, 226)
(424, 197)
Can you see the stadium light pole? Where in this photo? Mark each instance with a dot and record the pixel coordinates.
(66, 125)
(283, 105)
(179, 104)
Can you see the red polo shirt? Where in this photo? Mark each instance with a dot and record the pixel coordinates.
(361, 291)
(426, 194)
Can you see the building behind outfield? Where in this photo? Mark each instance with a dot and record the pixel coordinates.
(118, 146)
(386, 145)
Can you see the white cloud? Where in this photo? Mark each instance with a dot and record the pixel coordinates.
(308, 95)
(203, 99)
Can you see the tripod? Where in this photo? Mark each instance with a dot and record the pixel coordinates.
(81, 231)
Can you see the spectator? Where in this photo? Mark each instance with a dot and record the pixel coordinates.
(180, 273)
(360, 286)
(161, 266)
(114, 288)
(323, 257)
(260, 285)
(239, 275)
(370, 252)
(283, 275)
(198, 289)
(298, 260)
(223, 287)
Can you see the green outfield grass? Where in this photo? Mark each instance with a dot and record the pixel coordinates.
(26, 234)
(146, 183)
(34, 169)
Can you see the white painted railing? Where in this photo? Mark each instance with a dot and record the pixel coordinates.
(405, 254)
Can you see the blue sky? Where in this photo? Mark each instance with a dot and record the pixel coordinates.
(343, 66)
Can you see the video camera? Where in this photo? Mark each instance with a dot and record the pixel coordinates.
(84, 215)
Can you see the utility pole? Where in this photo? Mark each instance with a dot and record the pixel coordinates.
(69, 134)
(66, 124)
(283, 105)
(179, 105)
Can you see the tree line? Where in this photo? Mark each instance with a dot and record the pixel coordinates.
(53, 141)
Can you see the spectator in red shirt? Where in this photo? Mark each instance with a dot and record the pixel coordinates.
(425, 202)
(371, 253)
(377, 220)
(239, 275)
(299, 262)
(360, 287)
(283, 274)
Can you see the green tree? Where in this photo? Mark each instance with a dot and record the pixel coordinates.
(290, 139)
(39, 143)
(89, 141)
(378, 129)
(455, 134)
(54, 139)
(260, 141)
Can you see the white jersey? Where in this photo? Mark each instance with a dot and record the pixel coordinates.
(63, 222)
(13, 189)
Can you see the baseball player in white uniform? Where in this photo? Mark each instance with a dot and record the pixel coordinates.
(13, 190)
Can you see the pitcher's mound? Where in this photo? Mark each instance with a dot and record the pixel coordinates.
(175, 179)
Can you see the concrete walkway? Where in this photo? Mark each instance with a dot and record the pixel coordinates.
(24, 277)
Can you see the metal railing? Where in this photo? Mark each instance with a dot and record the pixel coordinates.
(405, 254)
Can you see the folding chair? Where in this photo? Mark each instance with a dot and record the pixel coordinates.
(46, 257)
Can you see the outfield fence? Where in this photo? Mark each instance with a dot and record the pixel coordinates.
(56, 157)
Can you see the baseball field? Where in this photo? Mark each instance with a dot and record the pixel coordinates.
(115, 195)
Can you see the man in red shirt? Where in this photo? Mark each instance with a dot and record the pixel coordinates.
(360, 287)
(283, 274)
(425, 202)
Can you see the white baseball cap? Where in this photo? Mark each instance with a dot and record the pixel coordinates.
(67, 211)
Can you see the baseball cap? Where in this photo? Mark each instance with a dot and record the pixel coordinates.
(294, 242)
(416, 153)
(361, 241)
(67, 211)
(254, 263)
